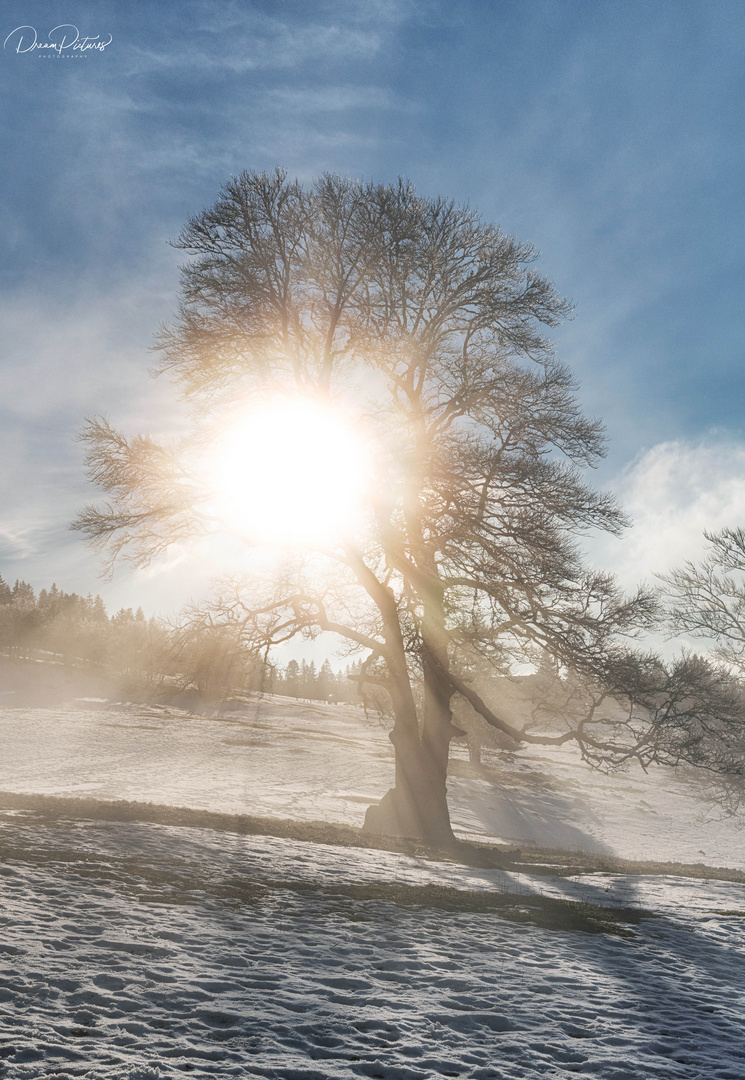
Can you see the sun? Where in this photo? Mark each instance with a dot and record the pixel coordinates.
(291, 472)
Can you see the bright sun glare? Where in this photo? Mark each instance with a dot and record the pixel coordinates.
(292, 472)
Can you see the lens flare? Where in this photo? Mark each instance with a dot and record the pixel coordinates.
(292, 472)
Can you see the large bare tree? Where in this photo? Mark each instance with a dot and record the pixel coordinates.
(428, 325)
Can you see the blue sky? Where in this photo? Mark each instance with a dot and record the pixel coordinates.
(610, 133)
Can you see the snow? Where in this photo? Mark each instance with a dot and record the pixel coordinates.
(138, 951)
(286, 758)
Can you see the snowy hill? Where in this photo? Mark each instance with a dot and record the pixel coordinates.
(286, 758)
(134, 951)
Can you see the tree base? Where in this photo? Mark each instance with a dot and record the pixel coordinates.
(398, 814)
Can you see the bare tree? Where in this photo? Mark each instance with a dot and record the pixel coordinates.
(707, 600)
(429, 325)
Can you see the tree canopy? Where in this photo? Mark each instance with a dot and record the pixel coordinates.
(427, 327)
(707, 599)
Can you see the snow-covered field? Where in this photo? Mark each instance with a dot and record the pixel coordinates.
(286, 758)
(136, 951)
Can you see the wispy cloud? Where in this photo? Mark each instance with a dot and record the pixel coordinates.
(331, 98)
(235, 39)
(674, 491)
(614, 144)
(65, 355)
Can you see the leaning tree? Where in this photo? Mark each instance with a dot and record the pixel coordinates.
(425, 327)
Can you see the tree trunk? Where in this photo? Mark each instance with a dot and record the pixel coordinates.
(474, 752)
(417, 806)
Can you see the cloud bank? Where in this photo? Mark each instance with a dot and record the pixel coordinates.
(673, 492)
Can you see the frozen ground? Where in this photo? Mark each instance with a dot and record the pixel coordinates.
(130, 952)
(143, 951)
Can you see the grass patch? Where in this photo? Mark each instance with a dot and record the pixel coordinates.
(544, 911)
(171, 883)
(551, 863)
(538, 861)
(50, 808)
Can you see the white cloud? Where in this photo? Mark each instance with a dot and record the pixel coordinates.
(673, 492)
(77, 352)
(84, 348)
(235, 39)
(331, 99)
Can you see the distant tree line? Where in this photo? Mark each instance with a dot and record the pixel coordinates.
(304, 680)
(151, 655)
(77, 631)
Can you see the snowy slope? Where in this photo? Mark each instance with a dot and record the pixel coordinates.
(136, 952)
(144, 951)
(285, 758)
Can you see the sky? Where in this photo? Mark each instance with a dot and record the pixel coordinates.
(609, 133)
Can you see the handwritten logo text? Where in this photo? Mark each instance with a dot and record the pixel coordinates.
(65, 40)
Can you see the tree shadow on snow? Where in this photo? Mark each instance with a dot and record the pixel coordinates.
(539, 816)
